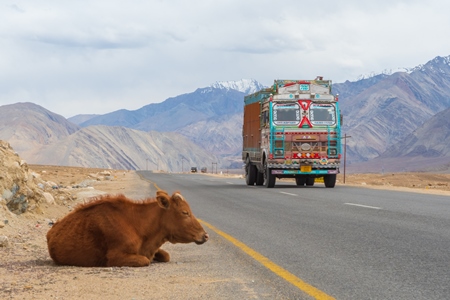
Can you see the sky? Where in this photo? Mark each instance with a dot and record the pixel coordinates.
(99, 56)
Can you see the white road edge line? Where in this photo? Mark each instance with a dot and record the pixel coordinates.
(366, 206)
(288, 194)
(229, 182)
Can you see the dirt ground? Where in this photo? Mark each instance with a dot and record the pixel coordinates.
(209, 271)
(194, 272)
(429, 183)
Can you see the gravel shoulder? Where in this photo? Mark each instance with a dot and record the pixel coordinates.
(214, 270)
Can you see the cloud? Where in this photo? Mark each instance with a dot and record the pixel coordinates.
(99, 56)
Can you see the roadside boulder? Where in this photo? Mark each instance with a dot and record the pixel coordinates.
(18, 190)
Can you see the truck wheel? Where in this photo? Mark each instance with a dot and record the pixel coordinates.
(250, 173)
(300, 181)
(259, 178)
(329, 180)
(269, 179)
(310, 181)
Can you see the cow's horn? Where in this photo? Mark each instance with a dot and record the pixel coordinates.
(178, 195)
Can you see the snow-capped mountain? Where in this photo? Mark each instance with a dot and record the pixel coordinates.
(440, 61)
(382, 110)
(437, 65)
(247, 86)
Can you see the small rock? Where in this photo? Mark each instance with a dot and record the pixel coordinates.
(48, 198)
(105, 173)
(3, 241)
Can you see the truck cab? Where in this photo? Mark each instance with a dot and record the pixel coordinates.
(292, 130)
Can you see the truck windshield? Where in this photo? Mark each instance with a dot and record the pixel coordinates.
(286, 114)
(322, 114)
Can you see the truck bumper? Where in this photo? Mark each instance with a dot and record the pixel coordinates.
(298, 172)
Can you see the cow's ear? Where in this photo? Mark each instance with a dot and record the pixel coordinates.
(163, 199)
(177, 198)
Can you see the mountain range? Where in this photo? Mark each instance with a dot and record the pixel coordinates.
(394, 122)
(383, 110)
(218, 100)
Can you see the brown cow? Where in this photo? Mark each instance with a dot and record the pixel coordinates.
(116, 231)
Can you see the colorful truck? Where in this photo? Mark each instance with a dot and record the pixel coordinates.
(292, 130)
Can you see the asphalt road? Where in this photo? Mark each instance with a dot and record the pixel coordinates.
(348, 242)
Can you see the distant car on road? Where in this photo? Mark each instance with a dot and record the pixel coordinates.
(193, 169)
(203, 170)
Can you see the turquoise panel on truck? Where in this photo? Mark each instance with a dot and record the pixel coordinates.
(258, 97)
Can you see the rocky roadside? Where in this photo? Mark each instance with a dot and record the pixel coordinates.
(214, 270)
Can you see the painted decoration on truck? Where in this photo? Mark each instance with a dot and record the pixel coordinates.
(304, 87)
(304, 104)
(286, 114)
(322, 114)
(305, 122)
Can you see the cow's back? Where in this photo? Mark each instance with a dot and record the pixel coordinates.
(81, 238)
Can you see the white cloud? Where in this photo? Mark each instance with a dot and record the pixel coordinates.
(99, 56)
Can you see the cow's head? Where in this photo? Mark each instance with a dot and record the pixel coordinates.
(179, 221)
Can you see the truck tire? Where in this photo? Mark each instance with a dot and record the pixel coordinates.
(300, 181)
(269, 178)
(259, 178)
(329, 180)
(310, 181)
(250, 173)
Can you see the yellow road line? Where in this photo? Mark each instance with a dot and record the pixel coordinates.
(286, 275)
(154, 183)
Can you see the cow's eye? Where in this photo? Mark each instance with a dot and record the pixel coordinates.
(186, 213)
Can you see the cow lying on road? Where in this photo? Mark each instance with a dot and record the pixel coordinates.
(117, 231)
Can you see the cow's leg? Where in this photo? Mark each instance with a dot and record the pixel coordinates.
(161, 255)
(117, 258)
